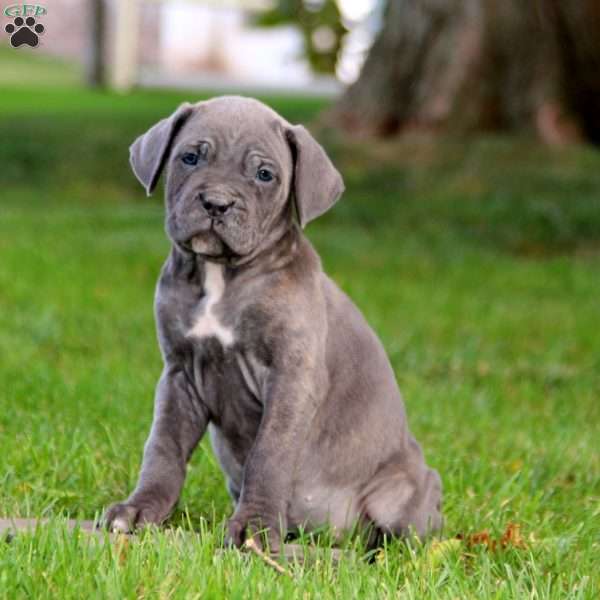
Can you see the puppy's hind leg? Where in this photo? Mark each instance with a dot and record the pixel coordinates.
(401, 501)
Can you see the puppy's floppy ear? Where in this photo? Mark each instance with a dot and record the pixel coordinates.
(149, 153)
(317, 184)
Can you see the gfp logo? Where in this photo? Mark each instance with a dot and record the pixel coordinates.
(24, 30)
(25, 10)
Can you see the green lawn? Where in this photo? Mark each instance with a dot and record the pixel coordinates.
(476, 262)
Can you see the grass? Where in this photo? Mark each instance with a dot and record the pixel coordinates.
(477, 264)
(18, 69)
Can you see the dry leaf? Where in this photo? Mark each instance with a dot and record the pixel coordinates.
(482, 538)
(511, 538)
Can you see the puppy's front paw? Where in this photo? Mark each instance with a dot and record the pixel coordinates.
(265, 531)
(124, 517)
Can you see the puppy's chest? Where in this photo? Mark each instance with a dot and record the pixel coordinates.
(210, 329)
(208, 319)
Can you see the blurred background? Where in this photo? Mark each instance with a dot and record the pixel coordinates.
(467, 132)
(465, 64)
(292, 45)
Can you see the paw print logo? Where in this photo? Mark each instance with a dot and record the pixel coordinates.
(24, 32)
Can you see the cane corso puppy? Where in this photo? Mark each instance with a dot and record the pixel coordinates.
(260, 347)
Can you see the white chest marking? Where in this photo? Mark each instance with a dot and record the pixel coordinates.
(207, 324)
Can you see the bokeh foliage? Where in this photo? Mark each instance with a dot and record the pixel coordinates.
(310, 16)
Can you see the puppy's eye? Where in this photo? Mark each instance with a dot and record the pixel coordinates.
(264, 175)
(189, 158)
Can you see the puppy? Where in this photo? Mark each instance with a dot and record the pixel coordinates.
(260, 347)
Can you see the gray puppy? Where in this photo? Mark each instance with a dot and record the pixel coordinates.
(260, 347)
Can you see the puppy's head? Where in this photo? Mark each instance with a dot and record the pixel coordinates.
(235, 170)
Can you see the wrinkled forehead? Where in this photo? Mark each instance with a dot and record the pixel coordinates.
(236, 126)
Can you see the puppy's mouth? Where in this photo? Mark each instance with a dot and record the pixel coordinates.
(218, 236)
(206, 242)
(200, 244)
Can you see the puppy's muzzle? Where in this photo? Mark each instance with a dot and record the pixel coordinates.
(216, 207)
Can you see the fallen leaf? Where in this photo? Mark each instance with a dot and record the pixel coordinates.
(482, 538)
(512, 537)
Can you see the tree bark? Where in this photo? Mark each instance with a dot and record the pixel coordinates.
(95, 71)
(467, 65)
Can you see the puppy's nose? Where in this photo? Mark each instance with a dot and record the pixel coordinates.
(215, 208)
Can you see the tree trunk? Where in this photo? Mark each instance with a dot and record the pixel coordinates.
(465, 65)
(95, 72)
